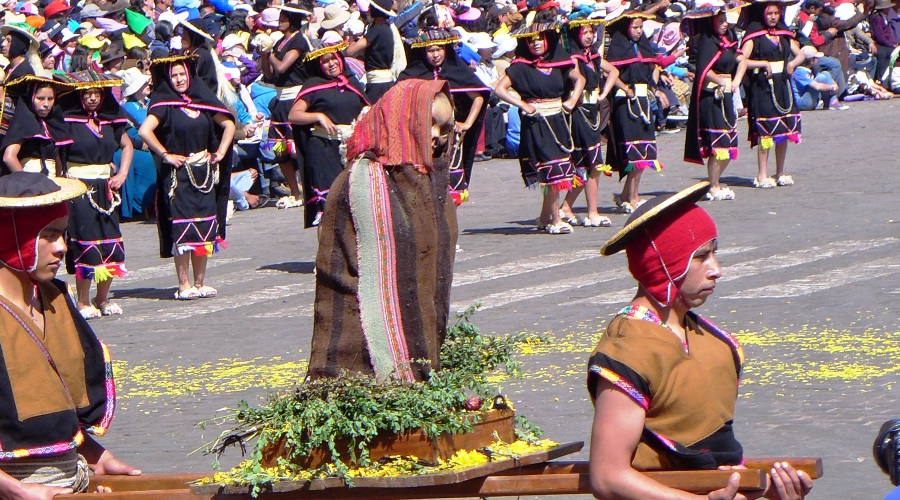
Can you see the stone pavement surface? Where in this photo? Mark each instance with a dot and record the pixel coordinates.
(810, 278)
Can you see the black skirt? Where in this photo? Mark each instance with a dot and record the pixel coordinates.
(191, 200)
(545, 151)
(632, 136)
(318, 176)
(95, 246)
(717, 133)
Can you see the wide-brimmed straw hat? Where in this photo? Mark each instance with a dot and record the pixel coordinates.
(134, 80)
(650, 211)
(21, 29)
(40, 194)
(631, 14)
(335, 15)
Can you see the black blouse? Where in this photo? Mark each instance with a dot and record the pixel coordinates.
(380, 49)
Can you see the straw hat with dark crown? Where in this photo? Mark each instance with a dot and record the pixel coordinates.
(30, 190)
(650, 212)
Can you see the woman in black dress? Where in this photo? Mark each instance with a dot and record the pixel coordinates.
(96, 250)
(384, 57)
(20, 47)
(632, 142)
(711, 128)
(433, 57)
(587, 121)
(328, 104)
(36, 131)
(190, 132)
(540, 74)
(771, 53)
(282, 66)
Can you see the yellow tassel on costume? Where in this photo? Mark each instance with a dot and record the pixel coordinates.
(766, 143)
(577, 182)
(101, 274)
(279, 148)
(722, 154)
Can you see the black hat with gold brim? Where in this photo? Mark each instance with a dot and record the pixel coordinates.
(294, 9)
(631, 14)
(58, 87)
(323, 50)
(30, 189)
(193, 28)
(650, 211)
(173, 59)
(435, 36)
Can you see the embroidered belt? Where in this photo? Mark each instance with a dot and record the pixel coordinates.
(640, 90)
(590, 96)
(713, 86)
(88, 171)
(379, 76)
(342, 134)
(37, 165)
(777, 67)
(547, 107)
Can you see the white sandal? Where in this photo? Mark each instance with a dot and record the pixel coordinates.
(109, 309)
(785, 180)
(187, 294)
(89, 312)
(599, 221)
(767, 183)
(561, 227)
(288, 202)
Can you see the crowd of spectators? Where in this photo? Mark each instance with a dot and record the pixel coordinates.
(850, 48)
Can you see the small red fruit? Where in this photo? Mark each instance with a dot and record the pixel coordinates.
(473, 403)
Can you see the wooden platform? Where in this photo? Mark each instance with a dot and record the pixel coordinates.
(548, 478)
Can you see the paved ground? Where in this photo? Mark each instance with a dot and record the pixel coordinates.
(810, 278)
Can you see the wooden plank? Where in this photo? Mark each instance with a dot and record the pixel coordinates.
(144, 482)
(810, 465)
(549, 478)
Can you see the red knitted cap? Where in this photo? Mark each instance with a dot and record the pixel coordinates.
(659, 255)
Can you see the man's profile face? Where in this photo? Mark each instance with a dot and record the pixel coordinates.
(702, 273)
(51, 250)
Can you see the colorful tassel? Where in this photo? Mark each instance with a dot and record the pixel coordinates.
(767, 143)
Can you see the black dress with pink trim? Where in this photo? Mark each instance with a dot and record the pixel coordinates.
(188, 193)
(586, 120)
(545, 147)
(96, 249)
(462, 82)
(632, 132)
(280, 135)
(711, 126)
(341, 100)
(772, 114)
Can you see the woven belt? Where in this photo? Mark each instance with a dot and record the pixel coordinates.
(590, 96)
(640, 90)
(713, 86)
(343, 132)
(88, 171)
(777, 67)
(287, 93)
(35, 165)
(547, 107)
(379, 76)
